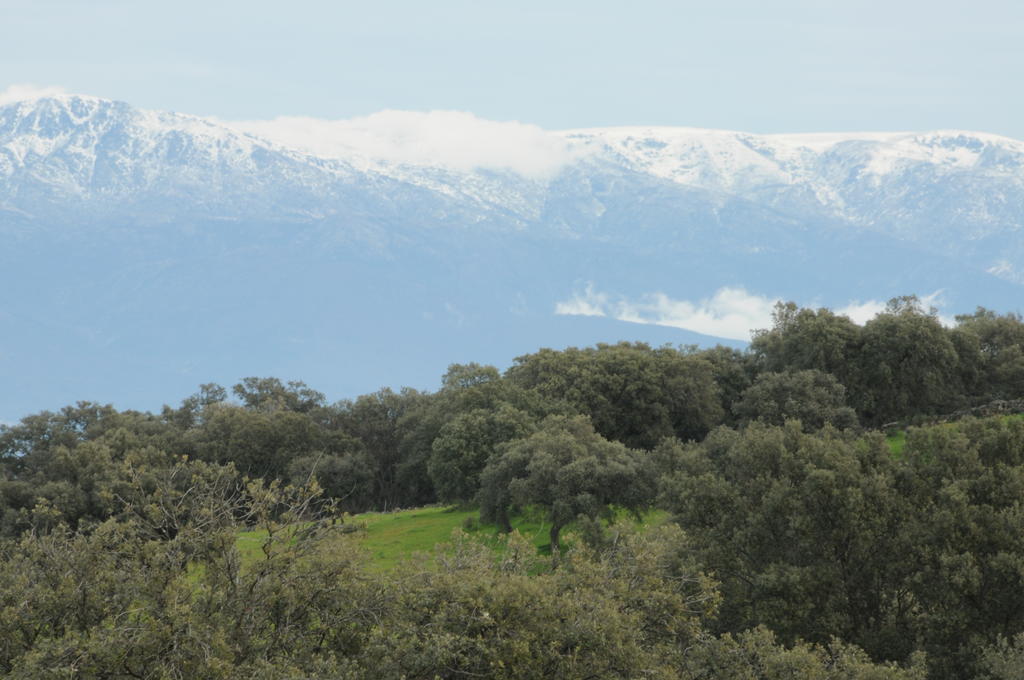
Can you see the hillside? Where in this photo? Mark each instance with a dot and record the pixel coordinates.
(150, 248)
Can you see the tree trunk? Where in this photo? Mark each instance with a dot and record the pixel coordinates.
(503, 522)
(555, 530)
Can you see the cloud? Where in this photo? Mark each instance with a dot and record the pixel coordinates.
(861, 312)
(587, 303)
(937, 301)
(1003, 269)
(457, 140)
(25, 92)
(731, 312)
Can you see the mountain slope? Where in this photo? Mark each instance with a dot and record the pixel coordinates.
(147, 252)
(942, 190)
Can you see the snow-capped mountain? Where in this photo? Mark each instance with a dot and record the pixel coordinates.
(945, 186)
(94, 161)
(959, 193)
(172, 248)
(953, 192)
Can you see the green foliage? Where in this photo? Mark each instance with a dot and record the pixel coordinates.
(569, 470)
(757, 654)
(965, 485)
(903, 363)
(346, 477)
(120, 553)
(821, 535)
(814, 398)
(907, 364)
(798, 528)
(68, 467)
(115, 604)
(465, 444)
(807, 339)
(623, 613)
(121, 601)
(1004, 660)
(734, 371)
(270, 394)
(633, 394)
(163, 591)
(993, 346)
(261, 443)
(381, 422)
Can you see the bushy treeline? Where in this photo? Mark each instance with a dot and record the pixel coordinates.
(407, 448)
(124, 601)
(829, 534)
(793, 555)
(903, 363)
(796, 516)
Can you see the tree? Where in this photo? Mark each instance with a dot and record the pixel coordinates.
(996, 353)
(1004, 660)
(569, 470)
(270, 394)
(63, 467)
(965, 484)
(821, 535)
(756, 653)
(734, 371)
(345, 477)
(131, 599)
(907, 364)
(465, 444)
(262, 443)
(814, 398)
(464, 376)
(627, 612)
(474, 410)
(190, 413)
(803, 339)
(124, 601)
(380, 422)
(632, 393)
(804, 532)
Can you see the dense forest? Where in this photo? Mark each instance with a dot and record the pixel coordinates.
(841, 501)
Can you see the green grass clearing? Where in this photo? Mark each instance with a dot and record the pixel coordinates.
(898, 439)
(896, 443)
(390, 537)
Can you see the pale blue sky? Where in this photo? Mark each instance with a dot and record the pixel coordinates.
(782, 66)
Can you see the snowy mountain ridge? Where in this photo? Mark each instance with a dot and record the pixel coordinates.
(89, 147)
(85, 147)
(146, 249)
(690, 156)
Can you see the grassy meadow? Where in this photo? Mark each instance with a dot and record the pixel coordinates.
(390, 537)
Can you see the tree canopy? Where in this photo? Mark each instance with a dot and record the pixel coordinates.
(569, 470)
(796, 538)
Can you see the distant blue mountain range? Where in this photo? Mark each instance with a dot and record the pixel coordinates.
(144, 253)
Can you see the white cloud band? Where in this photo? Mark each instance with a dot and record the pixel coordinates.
(731, 312)
(25, 92)
(457, 140)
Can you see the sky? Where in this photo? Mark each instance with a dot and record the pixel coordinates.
(751, 65)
